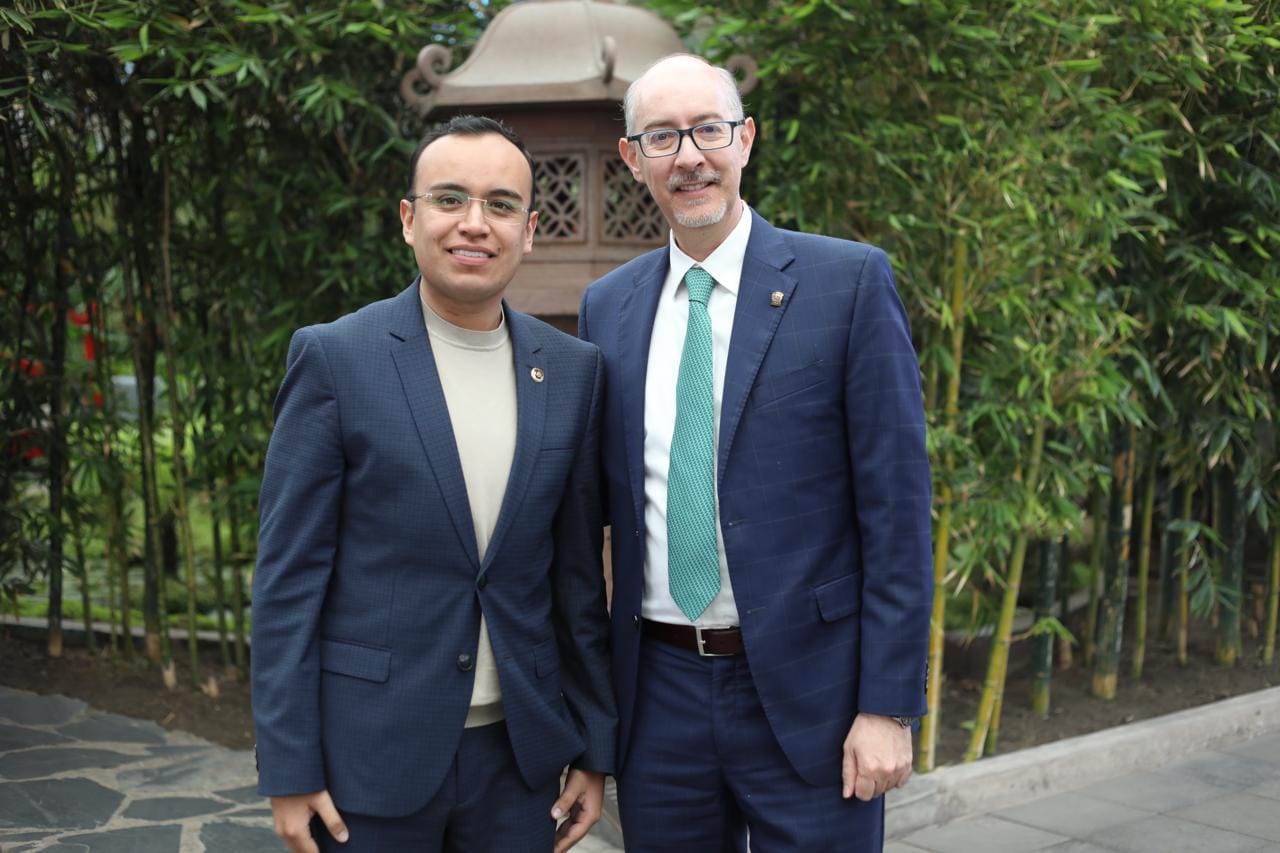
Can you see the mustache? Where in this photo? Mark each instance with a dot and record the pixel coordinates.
(710, 176)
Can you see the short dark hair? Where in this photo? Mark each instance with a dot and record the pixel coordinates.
(468, 125)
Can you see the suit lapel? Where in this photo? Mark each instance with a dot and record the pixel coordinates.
(755, 321)
(411, 351)
(635, 329)
(531, 416)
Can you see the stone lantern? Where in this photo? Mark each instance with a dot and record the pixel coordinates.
(556, 71)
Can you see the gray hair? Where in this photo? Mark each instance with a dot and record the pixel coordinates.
(729, 85)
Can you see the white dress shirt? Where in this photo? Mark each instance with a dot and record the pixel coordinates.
(665, 348)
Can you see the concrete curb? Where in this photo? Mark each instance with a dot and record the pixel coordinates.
(1009, 780)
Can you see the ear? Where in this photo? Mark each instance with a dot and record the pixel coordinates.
(406, 220)
(529, 228)
(630, 154)
(747, 138)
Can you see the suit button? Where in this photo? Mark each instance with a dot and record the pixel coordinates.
(636, 533)
(636, 621)
(482, 582)
(465, 663)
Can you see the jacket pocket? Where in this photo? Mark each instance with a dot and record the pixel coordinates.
(357, 661)
(839, 598)
(777, 387)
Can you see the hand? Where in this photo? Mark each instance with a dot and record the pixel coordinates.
(580, 804)
(293, 820)
(877, 756)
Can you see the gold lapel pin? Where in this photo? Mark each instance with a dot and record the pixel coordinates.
(775, 298)
(537, 374)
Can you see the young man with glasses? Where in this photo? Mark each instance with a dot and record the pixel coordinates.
(768, 490)
(429, 625)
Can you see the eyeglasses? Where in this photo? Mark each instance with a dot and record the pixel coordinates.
(667, 141)
(451, 203)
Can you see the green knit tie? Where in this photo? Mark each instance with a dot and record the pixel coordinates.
(693, 560)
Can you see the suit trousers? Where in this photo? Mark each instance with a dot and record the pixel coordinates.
(704, 769)
(483, 806)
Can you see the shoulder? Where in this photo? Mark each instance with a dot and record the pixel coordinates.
(641, 267)
(820, 248)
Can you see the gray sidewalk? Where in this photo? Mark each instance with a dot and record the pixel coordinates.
(1202, 781)
(74, 780)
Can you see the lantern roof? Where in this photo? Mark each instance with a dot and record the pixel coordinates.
(545, 52)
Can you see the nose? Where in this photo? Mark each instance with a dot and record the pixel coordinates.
(688, 156)
(474, 220)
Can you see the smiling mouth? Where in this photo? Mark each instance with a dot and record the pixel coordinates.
(470, 253)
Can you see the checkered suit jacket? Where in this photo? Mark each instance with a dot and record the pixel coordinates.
(368, 590)
(823, 484)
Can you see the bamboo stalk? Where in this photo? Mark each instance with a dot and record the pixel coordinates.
(928, 743)
(1111, 616)
(1184, 578)
(1097, 511)
(1231, 527)
(1168, 586)
(1273, 598)
(1144, 556)
(180, 506)
(999, 656)
(1042, 645)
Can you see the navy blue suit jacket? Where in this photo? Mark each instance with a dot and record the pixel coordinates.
(369, 590)
(823, 483)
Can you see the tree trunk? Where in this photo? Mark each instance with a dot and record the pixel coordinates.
(1111, 616)
(997, 661)
(1144, 556)
(928, 742)
(1042, 644)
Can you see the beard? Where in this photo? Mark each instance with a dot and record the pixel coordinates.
(704, 215)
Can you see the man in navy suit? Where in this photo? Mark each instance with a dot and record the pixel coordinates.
(430, 639)
(769, 490)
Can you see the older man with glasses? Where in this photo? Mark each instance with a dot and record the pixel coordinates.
(429, 625)
(768, 488)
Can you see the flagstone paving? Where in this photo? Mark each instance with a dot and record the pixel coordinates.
(76, 780)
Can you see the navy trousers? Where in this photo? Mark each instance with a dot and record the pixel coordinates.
(483, 806)
(704, 770)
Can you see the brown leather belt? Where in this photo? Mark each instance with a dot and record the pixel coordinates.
(708, 642)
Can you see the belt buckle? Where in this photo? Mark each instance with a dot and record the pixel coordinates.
(702, 646)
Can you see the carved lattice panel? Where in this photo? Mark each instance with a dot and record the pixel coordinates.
(630, 213)
(560, 204)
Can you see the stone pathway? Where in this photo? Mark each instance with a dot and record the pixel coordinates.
(75, 780)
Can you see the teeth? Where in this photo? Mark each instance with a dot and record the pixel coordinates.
(466, 253)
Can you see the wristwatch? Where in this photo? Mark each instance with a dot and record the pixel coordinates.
(906, 722)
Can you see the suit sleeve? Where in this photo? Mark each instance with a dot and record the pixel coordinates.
(886, 434)
(297, 541)
(579, 612)
(585, 334)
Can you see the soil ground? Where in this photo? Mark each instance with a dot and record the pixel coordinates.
(134, 688)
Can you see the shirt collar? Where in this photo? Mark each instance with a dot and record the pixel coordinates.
(724, 263)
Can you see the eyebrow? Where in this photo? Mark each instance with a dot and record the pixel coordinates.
(666, 124)
(497, 192)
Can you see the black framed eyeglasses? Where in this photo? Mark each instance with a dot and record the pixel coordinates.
(666, 141)
(456, 203)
